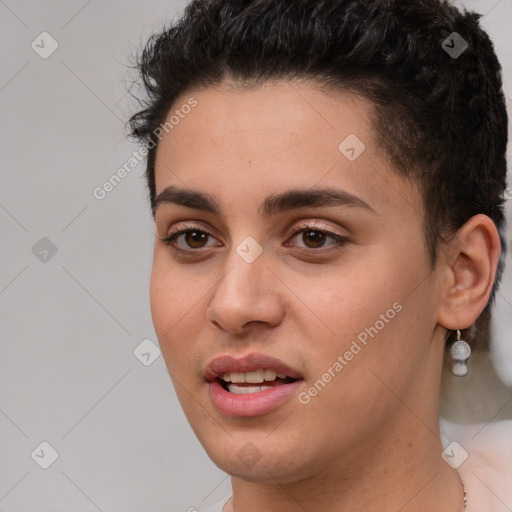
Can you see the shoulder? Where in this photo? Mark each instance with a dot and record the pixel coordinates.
(484, 460)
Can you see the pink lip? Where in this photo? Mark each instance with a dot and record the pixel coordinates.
(248, 363)
(251, 404)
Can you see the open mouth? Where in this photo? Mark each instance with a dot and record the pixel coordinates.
(251, 386)
(252, 382)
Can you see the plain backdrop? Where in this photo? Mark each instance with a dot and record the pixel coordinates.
(79, 364)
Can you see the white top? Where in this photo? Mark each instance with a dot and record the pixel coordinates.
(481, 453)
(484, 451)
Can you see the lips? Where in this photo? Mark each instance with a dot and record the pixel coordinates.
(246, 399)
(252, 362)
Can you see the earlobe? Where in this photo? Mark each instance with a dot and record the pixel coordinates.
(474, 254)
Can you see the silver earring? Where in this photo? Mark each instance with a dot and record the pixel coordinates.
(460, 352)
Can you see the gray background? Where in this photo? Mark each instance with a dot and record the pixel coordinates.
(71, 321)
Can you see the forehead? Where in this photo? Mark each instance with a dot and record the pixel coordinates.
(276, 113)
(251, 140)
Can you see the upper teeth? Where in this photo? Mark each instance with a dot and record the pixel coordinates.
(253, 377)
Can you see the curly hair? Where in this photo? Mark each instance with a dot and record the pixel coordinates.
(440, 118)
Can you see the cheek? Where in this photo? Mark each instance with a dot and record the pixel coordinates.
(175, 304)
(351, 298)
(173, 293)
(163, 300)
(362, 313)
(350, 340)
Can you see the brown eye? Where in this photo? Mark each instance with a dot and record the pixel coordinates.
(195, 239)
(315, 237)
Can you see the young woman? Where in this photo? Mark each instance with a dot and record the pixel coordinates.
(327, 180)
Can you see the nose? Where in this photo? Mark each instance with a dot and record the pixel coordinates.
(245, 295)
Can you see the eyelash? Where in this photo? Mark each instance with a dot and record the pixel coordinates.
(170, 240)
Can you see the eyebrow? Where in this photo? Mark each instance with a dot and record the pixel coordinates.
(272, 205)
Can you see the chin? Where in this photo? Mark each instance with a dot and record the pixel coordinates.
(243, 460)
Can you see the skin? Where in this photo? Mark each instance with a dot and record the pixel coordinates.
(370, 439)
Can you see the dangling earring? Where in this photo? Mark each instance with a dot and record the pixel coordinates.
(460, 352)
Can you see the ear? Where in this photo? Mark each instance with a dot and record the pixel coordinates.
(469, 264)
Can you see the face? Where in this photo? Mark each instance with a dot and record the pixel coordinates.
(337, 288)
